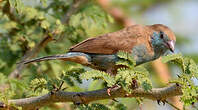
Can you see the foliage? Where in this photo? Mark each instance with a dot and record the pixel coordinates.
(126, 76)
(189, 72)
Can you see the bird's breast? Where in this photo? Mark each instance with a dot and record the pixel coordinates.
(141, 54)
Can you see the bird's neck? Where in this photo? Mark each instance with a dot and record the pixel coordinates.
(157, 45)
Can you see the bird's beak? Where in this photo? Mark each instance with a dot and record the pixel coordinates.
(171, 45)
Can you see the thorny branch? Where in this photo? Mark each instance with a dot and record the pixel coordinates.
(89, 96)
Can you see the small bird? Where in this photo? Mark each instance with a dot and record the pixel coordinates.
(144, 43)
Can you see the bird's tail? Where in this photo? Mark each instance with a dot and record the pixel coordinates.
(71, 56)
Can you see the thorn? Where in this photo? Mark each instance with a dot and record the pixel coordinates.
(163, 102)
(54, 87)
(115, 100)
(177, 84)
(60, 86)
(64, 88)
(178, 76)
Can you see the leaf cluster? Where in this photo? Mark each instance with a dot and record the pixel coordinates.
(127, 77)
(187, 78)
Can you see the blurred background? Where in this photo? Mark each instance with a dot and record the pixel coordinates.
(27, 25)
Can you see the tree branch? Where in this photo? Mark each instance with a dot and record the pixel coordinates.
(89, 96)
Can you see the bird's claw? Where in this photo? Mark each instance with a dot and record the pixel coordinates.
(159, 102)
(111, 88)
(134, 84)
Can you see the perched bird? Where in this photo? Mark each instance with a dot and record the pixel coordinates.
(144, 43)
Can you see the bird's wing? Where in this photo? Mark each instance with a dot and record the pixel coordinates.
(123, 40)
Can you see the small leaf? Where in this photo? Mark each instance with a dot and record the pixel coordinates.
(44, 2)
(146, 86)
(45, 24)
(171, 57)
(99, 75)
(110, 19)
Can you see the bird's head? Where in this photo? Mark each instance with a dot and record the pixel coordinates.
(163, 38)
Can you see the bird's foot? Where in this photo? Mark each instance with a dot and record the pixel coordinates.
(112, 88)
(134, 84)
(159, 102)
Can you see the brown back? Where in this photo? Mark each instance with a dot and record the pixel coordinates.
(123, 40)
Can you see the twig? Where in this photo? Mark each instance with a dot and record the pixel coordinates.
(89, 96)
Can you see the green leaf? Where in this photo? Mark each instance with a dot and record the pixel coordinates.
(126, 59)
(44, 2)
(38, 84)
(171, 57)
(45, 24)
(99, 75)
(110, 19)
(175, 58)
(120, 106)
(189, 72)
(146, 86)
(17, 4)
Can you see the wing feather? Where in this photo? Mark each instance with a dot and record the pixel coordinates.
(111, 43)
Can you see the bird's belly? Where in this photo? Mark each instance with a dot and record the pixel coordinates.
(140, 54)
(103, 62)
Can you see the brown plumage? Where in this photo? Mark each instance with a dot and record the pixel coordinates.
(123, 40)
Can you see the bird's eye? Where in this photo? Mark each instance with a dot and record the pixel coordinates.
(161, 35)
